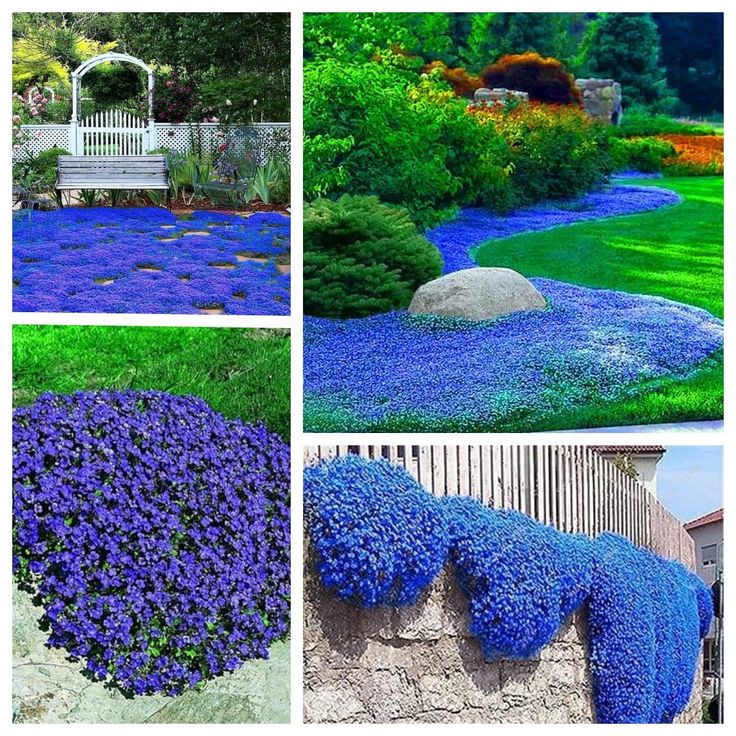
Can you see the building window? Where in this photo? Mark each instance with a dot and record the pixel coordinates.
(709, 656)
(709, 555)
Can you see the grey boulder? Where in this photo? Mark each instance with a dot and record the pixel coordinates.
(477, 294)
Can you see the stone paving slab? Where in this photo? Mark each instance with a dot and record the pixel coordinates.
(49, 688)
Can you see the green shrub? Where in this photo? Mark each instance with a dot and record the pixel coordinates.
(110, 84)
(640, 154)
(253, 97)
(637, 123)
(373, 129)
(44, 166)
(362, 257)
(557, 150)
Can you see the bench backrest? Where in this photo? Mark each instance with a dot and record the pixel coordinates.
(112, 172)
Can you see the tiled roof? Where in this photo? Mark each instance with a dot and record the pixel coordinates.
(713, 516)
(628, 449)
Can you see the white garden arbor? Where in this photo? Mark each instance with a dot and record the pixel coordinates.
(110, 132)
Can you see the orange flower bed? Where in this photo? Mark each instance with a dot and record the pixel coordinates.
(695, 155)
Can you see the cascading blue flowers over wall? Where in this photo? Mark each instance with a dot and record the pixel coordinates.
(380, 539)
(155, 532)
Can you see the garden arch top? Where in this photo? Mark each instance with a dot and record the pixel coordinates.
(77, 76)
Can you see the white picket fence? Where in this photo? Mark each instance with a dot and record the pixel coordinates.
(572, 488)
(113, 133)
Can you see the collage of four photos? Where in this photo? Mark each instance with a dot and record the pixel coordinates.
(469, 470)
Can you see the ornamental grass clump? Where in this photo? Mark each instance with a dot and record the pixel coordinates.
(522, 579)
(155, 533)
(378, 535)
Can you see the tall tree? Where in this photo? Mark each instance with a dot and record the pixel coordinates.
(692, 52)
(626, 47)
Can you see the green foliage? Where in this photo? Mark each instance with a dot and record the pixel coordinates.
(362, 257)
(253, 96)
(111, 84)
(692, 53)
(241, 373)
(639, 122)
(370, 130)
(272, 181)
(45, 164)
(626, 47)
(640, 154)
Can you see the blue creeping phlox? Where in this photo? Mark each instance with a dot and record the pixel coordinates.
(380, 539)
(155, 533)
(588, 345)
(476, 225)
(144, 260)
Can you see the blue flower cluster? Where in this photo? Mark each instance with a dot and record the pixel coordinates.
(378, 536)
(522, 579)
(155, 532)
(475, 225)
(143, 259)
(589, 345)
(380, 539)
(646, 616)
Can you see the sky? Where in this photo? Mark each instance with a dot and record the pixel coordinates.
(690, 480)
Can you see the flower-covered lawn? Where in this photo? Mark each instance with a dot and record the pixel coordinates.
(397, 371)
(631, 335)
(146, 260)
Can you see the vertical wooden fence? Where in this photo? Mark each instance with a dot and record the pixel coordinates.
(572, 488)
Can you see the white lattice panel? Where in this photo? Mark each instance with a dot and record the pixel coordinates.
(261, 140)
(42, 137)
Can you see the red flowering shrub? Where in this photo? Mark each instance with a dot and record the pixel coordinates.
(173, 98)
(544, 78)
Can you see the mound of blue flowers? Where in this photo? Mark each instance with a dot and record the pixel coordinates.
(108, 259)
(369, 524)
(522, 579)
(476, 225)
(646, 616)
(589, 345)
(155, 532)
(378, 536)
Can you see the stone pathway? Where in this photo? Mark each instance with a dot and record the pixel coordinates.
(683, 427)
(48, 688)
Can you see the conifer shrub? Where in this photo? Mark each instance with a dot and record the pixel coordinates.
(363, 257)
(544, 78)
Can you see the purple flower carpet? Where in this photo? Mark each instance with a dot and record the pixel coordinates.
(145, 260)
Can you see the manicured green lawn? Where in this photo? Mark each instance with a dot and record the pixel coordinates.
(675, 252)
(240, 373)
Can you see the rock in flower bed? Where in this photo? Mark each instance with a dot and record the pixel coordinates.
(589, 345)
(155, 533)
(146, 260)
(476, 225)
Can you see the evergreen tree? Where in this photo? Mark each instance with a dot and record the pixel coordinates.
(626, 47)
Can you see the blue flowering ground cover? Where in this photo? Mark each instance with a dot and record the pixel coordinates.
(646, 615)
(475, 225)
(144, 259)
(396, 370)
(155, 533)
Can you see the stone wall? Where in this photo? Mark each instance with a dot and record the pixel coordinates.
(419, 664)
(602, 99)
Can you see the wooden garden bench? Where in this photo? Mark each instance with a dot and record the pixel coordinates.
(113, 172)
